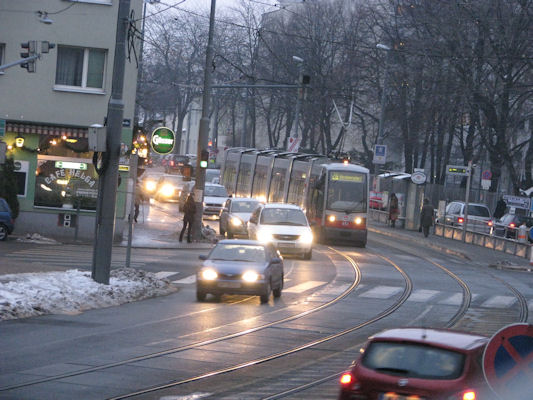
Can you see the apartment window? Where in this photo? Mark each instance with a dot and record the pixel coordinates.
(80, 68)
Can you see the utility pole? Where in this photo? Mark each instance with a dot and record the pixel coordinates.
(107, 184)
(204, 129)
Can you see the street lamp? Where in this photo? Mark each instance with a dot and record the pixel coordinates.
(300, 62)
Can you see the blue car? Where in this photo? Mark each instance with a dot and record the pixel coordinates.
(7, 224)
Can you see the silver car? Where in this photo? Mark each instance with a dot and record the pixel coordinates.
(235, 215)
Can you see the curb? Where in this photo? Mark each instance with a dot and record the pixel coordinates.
(432, 245)
(401, 236)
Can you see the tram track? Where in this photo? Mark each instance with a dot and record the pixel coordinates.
(467, 298)
(408, 288)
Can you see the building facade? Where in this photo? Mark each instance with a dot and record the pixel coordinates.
(51, 109)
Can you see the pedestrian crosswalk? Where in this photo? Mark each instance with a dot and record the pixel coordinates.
(70, 256)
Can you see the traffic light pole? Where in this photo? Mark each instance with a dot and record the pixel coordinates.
(203, 134)
(107, 185)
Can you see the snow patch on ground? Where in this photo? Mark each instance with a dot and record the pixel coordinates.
(74, 291)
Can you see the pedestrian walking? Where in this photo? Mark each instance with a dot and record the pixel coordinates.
(501, 205)
(189, 209)
(394, 210)
(426, 217)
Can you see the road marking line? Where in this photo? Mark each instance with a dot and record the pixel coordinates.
(422, 295)
(382, 292)
(165, 274)
(302, 287)
(188, 280)
(499, 302)
(456, 299)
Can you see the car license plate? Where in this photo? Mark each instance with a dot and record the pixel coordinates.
(396, 396)
(286, 244)
(229, 285)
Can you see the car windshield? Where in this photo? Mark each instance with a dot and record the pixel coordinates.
(478, 211)
(283, 216)
(238, 252)
(243, 206)
(413, 360)
(215, 191)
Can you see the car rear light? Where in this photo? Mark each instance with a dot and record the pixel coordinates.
(489, 223)
(469, 395)
(172, 163)
(512, 225)
(460, 220)
(347, 379)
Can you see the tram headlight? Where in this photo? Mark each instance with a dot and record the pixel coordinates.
(331, 218)
(264, 236)
(306, 237)
(358, 220)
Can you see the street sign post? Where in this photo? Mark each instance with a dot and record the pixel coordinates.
(380, 154)
(508, 362)
(418, 177)
(517, 201)
(294, 144)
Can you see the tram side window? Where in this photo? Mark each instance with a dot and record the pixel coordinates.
(259, 185)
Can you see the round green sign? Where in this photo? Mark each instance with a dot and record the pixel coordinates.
(162, 140)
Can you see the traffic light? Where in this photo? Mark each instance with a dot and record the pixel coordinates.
(204, 158)
(29, 50)
(306, 79)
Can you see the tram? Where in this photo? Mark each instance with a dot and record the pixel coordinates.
(333, 194)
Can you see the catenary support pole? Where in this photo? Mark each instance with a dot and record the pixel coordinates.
(105, 229)
(204, 128)
(467, 197)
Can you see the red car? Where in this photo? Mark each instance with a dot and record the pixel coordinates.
(418, 364)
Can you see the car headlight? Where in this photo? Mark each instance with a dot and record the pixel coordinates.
(150, 186)
(250, 276)
(167, 190)
(236, 221)
(306, 237)
(264, 236)
(209, 274)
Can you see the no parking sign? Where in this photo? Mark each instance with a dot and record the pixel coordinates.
(508, 362)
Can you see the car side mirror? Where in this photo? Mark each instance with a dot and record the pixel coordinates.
(202, 257)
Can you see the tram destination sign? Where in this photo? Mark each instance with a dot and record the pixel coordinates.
(461, 170)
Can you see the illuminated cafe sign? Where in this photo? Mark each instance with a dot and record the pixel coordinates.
(75, 173)
(341, 176)
(71, 165)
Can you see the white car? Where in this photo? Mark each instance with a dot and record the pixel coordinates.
(284, 225)
(214, 198)
(235, 216)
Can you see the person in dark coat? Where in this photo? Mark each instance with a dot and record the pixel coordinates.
(189, 209)
(394, 210)
(501, 205)
(426, 217)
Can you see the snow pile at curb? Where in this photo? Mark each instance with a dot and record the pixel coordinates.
(74, 291)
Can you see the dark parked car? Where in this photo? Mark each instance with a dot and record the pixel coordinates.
(418, 363)
(7, 224)
(241, 267)
(507, 226)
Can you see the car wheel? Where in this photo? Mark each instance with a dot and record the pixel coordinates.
(265, 297)
(200, 295)
(3, 232)
(277, 292)
(308, 255)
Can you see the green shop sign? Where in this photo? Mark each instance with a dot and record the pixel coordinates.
(162, 140)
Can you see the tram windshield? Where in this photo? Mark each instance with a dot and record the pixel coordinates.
(347, 191)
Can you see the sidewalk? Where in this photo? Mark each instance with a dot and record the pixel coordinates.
(479, 255)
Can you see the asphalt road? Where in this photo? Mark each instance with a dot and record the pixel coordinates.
(174, 347)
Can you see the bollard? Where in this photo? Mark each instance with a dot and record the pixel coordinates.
(522, 233)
